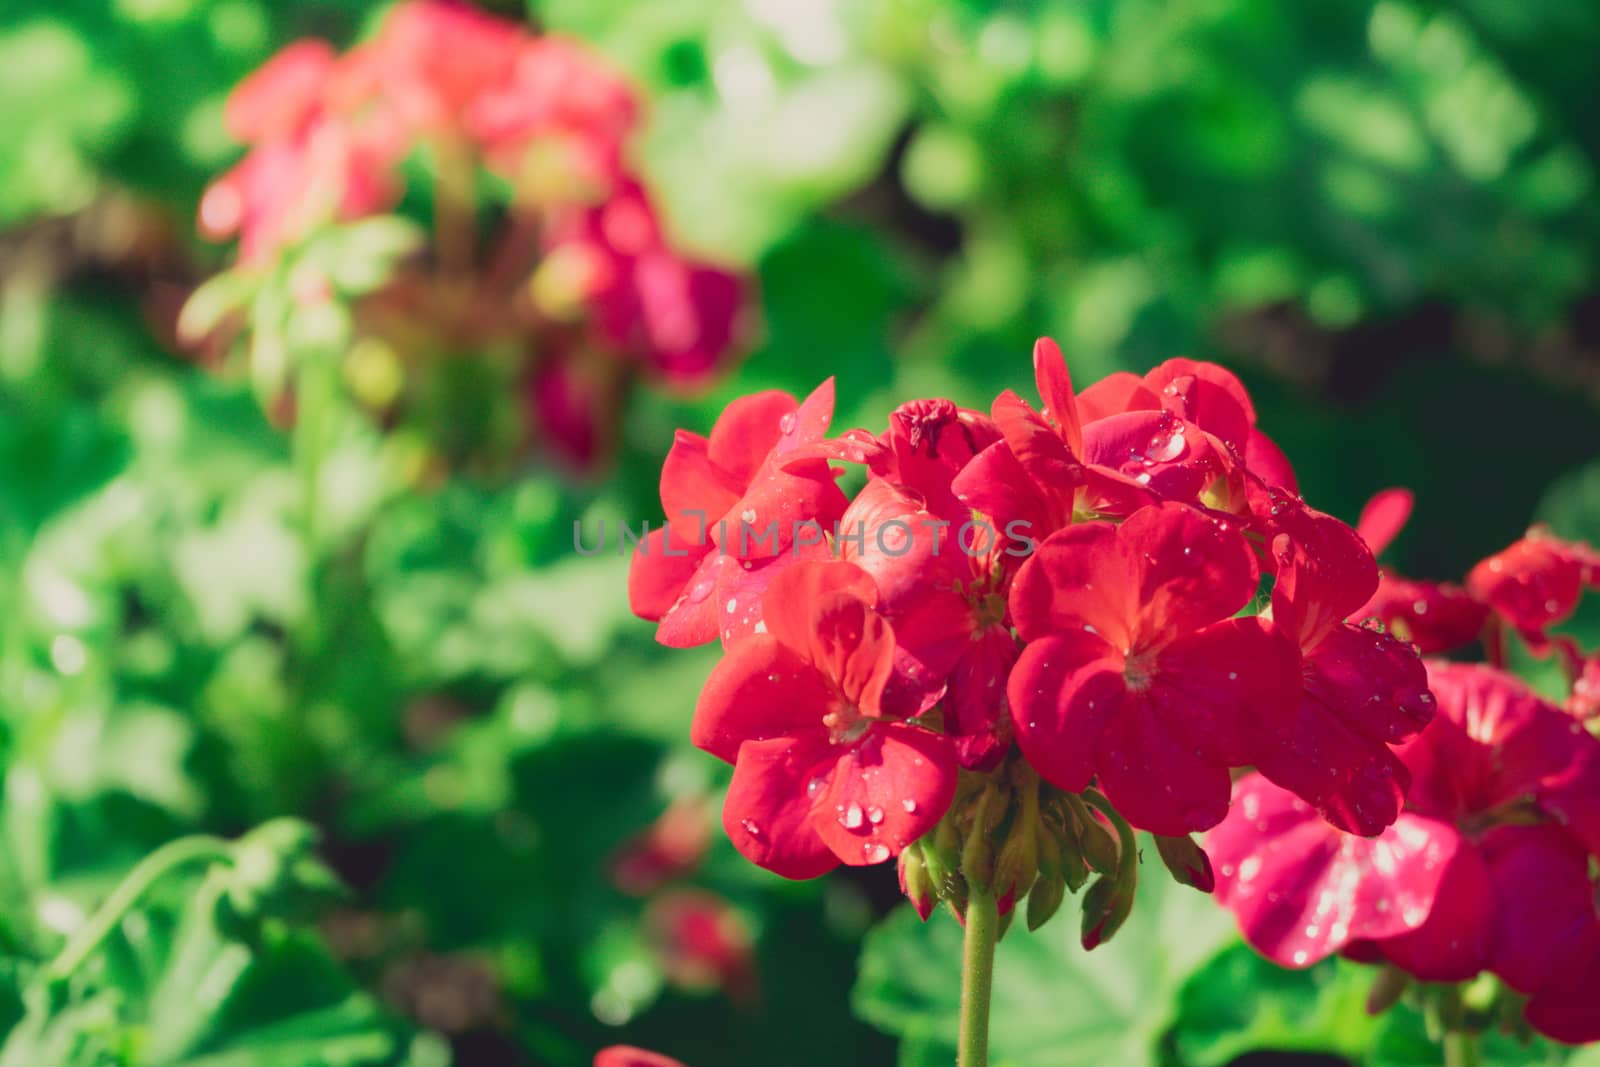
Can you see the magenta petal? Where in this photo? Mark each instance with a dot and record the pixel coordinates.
(1545, 905)
(885, 792)
(1453, 943)
(767, 813)
(1356, 783)
(1302, 891)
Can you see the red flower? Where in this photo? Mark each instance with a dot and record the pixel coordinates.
(628, 1056)
(826, 770)
(702, 943)
(680, 317)
(721, 494)
(1136, 672)
(1536, 583)
(941, 584)
(1488, 869)
(1361, 690)
(1433, 616)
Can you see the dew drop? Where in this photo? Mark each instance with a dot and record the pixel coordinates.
(874, 852)
(852, 817)
(875, 815)
(750, 827)
(787, 423)
(910, 805)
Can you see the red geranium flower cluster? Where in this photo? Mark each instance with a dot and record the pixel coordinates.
(1525, 590)
(1491, 865)
(1068, 593)
(1488, 869)
(530, 130)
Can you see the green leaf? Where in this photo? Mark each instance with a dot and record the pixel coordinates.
(1241, 1002)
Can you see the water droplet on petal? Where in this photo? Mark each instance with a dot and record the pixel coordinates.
(787, 423)
(874, 852)
(750, 827)
(852, 817)
(875, 815)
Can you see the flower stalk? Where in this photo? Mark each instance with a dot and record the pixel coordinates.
(977, 976)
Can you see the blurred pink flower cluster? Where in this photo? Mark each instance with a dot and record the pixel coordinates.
(539, 222)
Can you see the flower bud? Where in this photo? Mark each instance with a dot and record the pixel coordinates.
(1187, 861)
(1106, 907)
(916, 883)
(1018, 864)
(1387, 989)
(1044, 899)
(1095, 839)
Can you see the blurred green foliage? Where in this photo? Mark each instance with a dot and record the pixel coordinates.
(1382, 214)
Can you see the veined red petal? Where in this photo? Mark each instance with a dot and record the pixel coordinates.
(1222, 688)
(1357, 784)
(1375, 683)
(1187, 569)
(1206, 394)
(692, 620)
(791, 598)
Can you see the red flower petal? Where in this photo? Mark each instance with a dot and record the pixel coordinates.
(1434, 616)
(1357, 784)
(1155, 779)
(1565, 1011)
(1062, 691)
(1545, 921)
(1055, 392)
(1384, 517)
(1266, 461)
(1302, 891)
(885, 792)
(660, 571)
(1493, 741)
(1077, 577)
(1115, 393)
(1534, 584)
(1207, 395)
(628, 1056)
(693, 618)
(768, 812)
(1376, 684)
(1225, 687)
(1187, 570)
(761, 689)
(791, 598)
(748, 430)
(1454, 942)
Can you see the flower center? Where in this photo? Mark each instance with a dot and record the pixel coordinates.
(846, 724)
(1139, 670)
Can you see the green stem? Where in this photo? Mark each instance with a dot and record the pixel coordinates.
(146, 873)
(977, 977)
(1461, 1049)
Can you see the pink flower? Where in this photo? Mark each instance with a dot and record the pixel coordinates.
(1488, 868)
